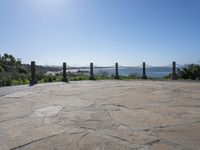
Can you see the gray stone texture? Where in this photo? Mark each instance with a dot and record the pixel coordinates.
(101, 115)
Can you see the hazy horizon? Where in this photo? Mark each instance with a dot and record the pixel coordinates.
(100, 31)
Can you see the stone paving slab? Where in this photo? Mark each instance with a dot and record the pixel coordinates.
(101, 115)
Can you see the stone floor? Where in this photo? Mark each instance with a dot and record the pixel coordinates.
(101, 115)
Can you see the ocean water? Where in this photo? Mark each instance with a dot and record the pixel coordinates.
(156, 72)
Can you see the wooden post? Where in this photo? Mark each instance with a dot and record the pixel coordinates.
(174, 76)
(33, 74)
(144, 76)
(64, 79)
(116, 71)
(91, 72)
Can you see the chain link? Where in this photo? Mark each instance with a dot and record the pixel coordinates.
(180, 66)
(167, 66)
(139, 66)
(113, 66)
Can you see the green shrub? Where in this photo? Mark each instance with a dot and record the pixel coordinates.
(1, 69)
(133, 76)
(191, 71)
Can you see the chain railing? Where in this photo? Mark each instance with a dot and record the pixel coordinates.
(116, 70)
(167, 66)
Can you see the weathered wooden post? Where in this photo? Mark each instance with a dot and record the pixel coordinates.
(116, 71)
(174, 76)
(144, 76)
(33, 74)
(64, 79)
(91, 72)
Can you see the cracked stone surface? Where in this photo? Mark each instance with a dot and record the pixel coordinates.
(101, 115)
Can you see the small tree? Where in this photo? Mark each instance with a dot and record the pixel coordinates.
(8, 59)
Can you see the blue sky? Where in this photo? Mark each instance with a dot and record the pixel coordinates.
(101, 31)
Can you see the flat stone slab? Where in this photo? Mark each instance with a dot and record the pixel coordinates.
(101, 115)
(47, 111)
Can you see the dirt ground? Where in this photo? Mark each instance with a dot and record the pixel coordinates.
(101, 115)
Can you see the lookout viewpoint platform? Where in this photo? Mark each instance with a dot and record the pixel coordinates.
(101, 115)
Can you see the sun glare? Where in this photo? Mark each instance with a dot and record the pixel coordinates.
(48, 2)
(46, 5)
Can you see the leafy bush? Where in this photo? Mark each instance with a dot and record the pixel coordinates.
(12, 72)
(1, 69)
(5, 79)
(133, 76)
(191, 71)
(22, 69)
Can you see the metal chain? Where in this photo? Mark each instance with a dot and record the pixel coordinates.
(139, 66)
(167, 66)
(178, 65)
(113, 66)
